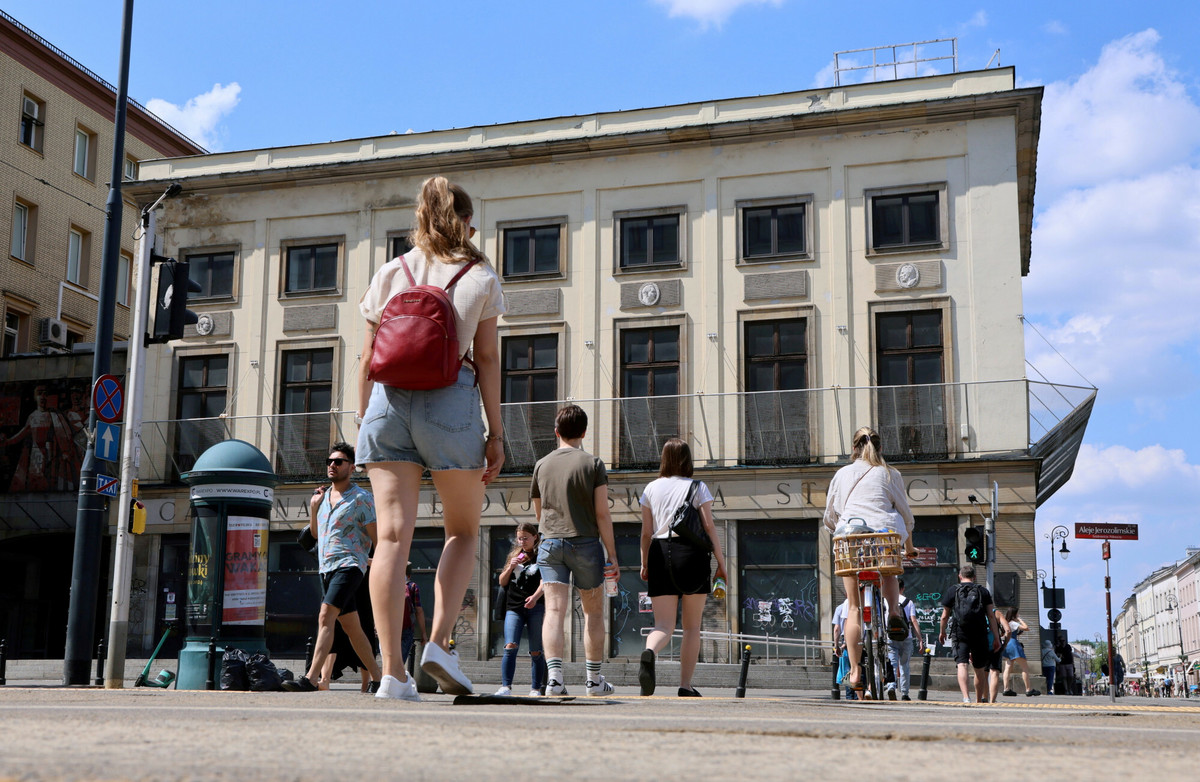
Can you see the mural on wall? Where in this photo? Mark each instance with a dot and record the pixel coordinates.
(43, 434)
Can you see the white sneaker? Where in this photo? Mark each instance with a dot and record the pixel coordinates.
(505, 691)
(601, 687)
(443, 666)
(556, 688)
(535, 693)
(393, 688)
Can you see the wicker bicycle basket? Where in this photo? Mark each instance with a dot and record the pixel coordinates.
(878, 551)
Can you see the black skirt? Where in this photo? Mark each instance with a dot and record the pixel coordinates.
(675, 568)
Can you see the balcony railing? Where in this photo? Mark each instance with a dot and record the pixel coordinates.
(950, 421)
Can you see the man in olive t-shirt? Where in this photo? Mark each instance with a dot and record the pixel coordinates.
(570, 499)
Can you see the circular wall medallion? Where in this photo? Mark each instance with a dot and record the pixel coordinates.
(205, 325)
(648, 294)
(907, 276)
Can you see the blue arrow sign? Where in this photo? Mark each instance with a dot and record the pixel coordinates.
(107, 485)
(108, 441)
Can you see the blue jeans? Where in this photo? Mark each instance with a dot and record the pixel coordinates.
(900, 652)
(514, 623)
(406, 644)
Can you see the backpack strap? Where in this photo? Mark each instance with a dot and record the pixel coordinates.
(413, 283)
(407, 272)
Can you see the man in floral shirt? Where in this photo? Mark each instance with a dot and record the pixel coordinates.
(342, 519)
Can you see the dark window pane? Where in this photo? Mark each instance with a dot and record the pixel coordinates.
(792, 375)
(923, 218)
(893, 332)
(516, 388)
(320, 399)
(760, 339)
(516, 354)
(666, 382)
(761, 377)
(299, 269)
(294, 400)
(516, 251)
(218, 370)
(637, 347)
(666, 344)
(545, 245)
(666, 239)
(637, 382)
(927, 329)
(633, 242)
(789, 229)
(757, 232)
(545, 352)
(791, 337)
(888, 225)
(545, 388)
(400, 245)
(191, 373)
(191, 406)
(322, 365)
(214, 405)
(296, 367)
(893, 371)
(325, 267)
(927, 368)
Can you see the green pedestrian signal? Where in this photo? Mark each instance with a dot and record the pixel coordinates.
(976, 550)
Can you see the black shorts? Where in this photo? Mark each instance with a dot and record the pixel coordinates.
(677, 569)
(975, 651)
(340, 586)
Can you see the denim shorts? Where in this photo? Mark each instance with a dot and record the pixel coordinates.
(559, 558)
(439, 429)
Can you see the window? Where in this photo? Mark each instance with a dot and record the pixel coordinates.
(776, 403)
(85, 148)
(124, 266)
(650, 368)
(32, 121)
(14, 330)
(24, 228)
(304, 430)
(532, 250)
(529, 391)
(905, 220)
(311, 267)
(203, 390)
(650, 240)
(78, 249)
(911, 399)
(213, 272)
(131, 168)
(770, 231)
(779, 587)
(398, 244)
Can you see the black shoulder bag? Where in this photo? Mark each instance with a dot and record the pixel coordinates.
(687, 524)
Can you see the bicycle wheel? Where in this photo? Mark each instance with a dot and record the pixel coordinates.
(869, 690)
(877, 648)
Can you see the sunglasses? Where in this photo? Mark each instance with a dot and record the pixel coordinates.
(338, 462)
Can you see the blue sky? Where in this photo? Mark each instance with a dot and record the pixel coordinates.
(1113, 283)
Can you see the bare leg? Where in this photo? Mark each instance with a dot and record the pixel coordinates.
(461, 492)
(324, 643)
(556, 594)
(964, 681)
(362, 646)
(1023, 665)
(396, 486)
(327, 672)
(890, 586)
(665, 608)
(981, 684)
(689, 650)
(853, 630)
(593, 622)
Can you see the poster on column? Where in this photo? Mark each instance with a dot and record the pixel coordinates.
(245, 571)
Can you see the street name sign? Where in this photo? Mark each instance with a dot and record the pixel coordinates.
(1106, 531)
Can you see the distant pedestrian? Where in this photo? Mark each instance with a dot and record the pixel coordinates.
(676, 573)
(342, 519)
(900, 646)
(524, 611)
(1066, 665)
(570, 499)
(414, 617)
(1049, 664)
(839, 647)
(1014, 653)
(970, 605)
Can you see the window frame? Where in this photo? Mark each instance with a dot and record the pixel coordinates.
(622, 327)
(89, 154)
(129, 170)
(288, 246)
(532, 224)
(192, 253)
(807, 226)
(83, 261)
(125, 264)
(23, 313)
(206, 354)
(32, 125)
(393, 238)
(620, 217)
(938, 189)
(29, 232)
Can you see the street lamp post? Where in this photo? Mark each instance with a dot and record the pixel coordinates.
(1137, 619)
(1172, 605)
(1054, 613)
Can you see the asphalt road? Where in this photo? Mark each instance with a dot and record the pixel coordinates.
(59, 733)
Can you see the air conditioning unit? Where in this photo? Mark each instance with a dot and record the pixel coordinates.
(31, 108)
(54, 332)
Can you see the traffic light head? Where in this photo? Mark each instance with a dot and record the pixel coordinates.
(170, 304)
(976, 550)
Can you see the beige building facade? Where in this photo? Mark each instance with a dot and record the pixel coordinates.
(759, 276)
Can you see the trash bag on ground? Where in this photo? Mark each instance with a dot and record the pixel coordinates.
(263, 675)
(285, 674)
(233, 670)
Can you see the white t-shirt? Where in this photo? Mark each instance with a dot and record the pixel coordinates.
(664, 495)
(873, 494)
(910, 611)
(839, 616)
(476, 296)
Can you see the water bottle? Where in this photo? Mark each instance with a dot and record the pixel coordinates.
(718, 588)
(610, 579)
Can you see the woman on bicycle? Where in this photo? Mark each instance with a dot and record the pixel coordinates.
(870, 490)
(673, 570)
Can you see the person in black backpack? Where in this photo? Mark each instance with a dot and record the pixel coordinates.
(969, 605)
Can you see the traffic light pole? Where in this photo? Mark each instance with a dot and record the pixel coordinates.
(990, 527)
(90, 515)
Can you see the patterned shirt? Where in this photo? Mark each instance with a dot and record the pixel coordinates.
(342, 539)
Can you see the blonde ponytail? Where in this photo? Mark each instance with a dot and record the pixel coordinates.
(444, 212)
(867, 447)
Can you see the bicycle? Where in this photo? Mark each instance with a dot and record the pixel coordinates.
(868, 557)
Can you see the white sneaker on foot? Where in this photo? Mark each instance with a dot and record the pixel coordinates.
(504, 690)
(393, 688)
(556, 688)
(601, 687)
(535, 693)
(443, 666)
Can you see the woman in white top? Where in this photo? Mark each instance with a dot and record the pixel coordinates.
(870, 490)
(673, 569)
(403, 432)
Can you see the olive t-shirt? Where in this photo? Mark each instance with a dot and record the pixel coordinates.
(565, 480)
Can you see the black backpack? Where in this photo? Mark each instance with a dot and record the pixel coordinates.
(969, 612)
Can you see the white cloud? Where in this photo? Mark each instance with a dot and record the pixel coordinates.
(201, 116)
(1117, 471)
(1054, 27)
(710, 12)
(980, 19)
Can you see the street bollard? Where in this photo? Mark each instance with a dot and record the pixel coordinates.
(308, 654)
(923, 693)
(210, 683)
(740, 692)
(836, 690)
(3, 660)
(100, 663)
